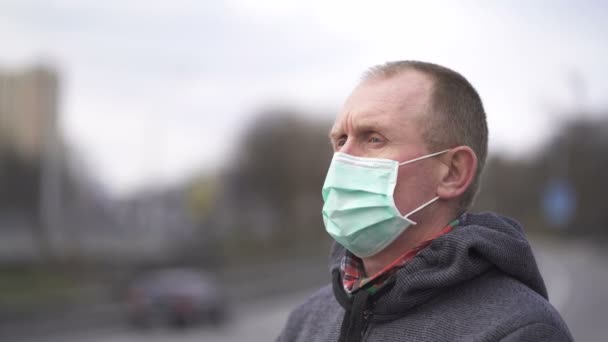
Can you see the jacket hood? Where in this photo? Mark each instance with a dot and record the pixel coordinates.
(480, 243)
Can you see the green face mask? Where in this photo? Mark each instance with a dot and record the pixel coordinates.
(359, 211)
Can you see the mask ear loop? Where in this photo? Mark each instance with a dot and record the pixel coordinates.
(436, 197)
(419, 208)
(424, 157)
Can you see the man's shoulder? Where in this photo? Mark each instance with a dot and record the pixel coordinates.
(504, 299)
(490, 307)
(321, 300)
(319, 315)
(498, 289)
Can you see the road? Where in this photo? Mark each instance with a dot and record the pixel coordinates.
(254, 322)
(576, 274)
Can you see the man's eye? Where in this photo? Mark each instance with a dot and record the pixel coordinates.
(341, 142)
(375, 140)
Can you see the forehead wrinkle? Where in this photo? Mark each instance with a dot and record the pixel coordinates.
(368, 125)
(361, 122)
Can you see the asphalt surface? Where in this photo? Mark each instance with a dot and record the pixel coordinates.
(260, 321)
(576, 274)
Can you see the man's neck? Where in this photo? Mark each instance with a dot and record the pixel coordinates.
(411, 238)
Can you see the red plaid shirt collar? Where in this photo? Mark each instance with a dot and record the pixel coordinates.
(353, 273)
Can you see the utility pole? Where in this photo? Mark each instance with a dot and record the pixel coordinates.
(50, 195)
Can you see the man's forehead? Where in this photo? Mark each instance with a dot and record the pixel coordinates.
(399, 99)
(408, 87)
(360, 119)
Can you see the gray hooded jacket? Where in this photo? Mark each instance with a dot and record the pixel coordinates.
(479, 282)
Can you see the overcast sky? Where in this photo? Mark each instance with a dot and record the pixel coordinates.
(152, 91)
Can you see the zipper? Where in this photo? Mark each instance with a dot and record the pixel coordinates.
(367, 315)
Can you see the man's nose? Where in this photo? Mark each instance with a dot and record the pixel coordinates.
(350, 147)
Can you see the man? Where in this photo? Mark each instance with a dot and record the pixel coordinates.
(409, 264)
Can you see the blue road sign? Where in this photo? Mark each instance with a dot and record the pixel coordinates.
(559, 203)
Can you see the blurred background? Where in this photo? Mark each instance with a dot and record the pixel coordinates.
(161, 162)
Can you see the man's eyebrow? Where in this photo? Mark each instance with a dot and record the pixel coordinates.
(333, 134)
(369, 127)
(365, 127)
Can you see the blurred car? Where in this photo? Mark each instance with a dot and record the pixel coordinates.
(178, 297)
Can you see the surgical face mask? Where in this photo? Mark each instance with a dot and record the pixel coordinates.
(359, 211)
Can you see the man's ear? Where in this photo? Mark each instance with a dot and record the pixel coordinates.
(457, 175)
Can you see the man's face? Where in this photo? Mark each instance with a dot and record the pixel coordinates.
(383, 119)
